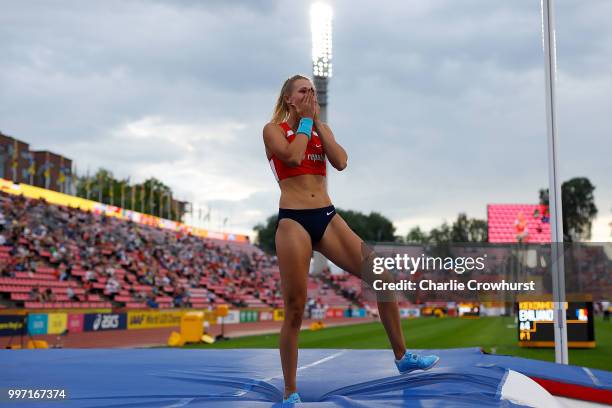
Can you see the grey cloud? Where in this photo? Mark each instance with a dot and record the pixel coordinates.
(440, 105)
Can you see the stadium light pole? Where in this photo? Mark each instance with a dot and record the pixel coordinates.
(321, 30)
(554, 196)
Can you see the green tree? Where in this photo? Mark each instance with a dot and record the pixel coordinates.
(105, 188)
(372, 228)
(265, 238)
(464, 229)
(416, 236)
(96, 186)
(460, 231)
(479, 230)
(578, 206)
(441, 234)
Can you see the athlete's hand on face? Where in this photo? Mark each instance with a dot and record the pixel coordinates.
(317, 108)
(306, 107)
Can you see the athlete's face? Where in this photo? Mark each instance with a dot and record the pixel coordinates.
(300, 87)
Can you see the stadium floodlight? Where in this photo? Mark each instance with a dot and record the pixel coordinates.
(321, 28)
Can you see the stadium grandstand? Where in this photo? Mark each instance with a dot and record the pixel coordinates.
(54, 256)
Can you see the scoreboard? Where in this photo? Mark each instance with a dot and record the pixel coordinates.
(536, 324)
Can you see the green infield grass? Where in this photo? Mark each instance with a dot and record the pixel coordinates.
(496, 335)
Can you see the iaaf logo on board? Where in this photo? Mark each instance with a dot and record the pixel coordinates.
(105, 322)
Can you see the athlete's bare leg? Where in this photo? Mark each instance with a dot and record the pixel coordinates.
(294, 250)
(344, 248)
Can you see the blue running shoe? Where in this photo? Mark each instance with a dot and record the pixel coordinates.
(411, 362)
(292, 399)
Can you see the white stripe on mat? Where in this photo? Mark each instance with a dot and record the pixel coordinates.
(323, 360)
(181, 403)
(592, 376)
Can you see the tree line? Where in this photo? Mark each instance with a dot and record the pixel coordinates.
(578, 208)
(149, 197)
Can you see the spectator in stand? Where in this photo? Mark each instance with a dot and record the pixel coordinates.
(112, 286)
(179, 295)
(48, 296)
(310, 304)
(90, 276)
(19, 266)
(63, 272)
(141, 296)
(70, 294)
(35, 295)
(87, 288)
(152, 303)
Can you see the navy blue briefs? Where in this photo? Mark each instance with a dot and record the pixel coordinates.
(314, 220)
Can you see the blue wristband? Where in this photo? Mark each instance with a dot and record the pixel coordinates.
(305, 127)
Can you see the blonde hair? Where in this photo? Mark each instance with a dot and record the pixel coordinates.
(281, 110)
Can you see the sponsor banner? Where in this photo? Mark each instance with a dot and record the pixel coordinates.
(492, 311)
(433, 311)
(57, 323)
(105, 321)
(334, 312)
(37, 324)
(279, 314)
(233, 317)
(410, 312)
(12, 325)
(151, 320)
(317, 313)
(75, 323)
(266, 315)
(353, 312)
(247, 316)
(215, 235)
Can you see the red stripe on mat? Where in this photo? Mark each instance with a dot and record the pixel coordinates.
(575, 391)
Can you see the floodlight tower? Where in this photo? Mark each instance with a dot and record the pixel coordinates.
(321, 29)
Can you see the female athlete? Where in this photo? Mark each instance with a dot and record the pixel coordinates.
(297, 146)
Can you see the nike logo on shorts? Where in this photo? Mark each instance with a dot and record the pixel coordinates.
(329, 213)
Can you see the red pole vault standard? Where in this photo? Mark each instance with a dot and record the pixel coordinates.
(554, 196)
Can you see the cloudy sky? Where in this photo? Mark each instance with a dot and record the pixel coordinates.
(439, 104)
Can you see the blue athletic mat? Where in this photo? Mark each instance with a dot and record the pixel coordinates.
(253, 378)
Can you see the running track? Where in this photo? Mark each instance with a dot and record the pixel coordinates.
(159, 337)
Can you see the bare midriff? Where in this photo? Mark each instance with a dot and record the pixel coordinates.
(305, 191)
